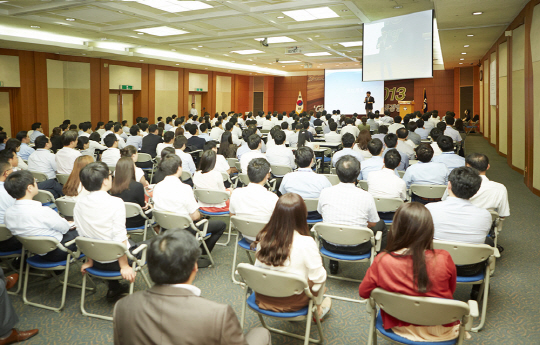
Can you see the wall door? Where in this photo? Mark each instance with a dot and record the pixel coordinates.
(197, 99)
(258, 102)
(5, 112)
(465, 100)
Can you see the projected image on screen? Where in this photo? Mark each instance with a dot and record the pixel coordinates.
(345, 90)
(399, 47)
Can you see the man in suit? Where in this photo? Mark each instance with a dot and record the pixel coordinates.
(195, 140)
(173, 310)
(369, 102)
(150, 142)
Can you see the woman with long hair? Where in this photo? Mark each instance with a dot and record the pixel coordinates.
(226, 147)
(131, 152)
(361, 143)
(303, 140)
(207, 177)
(83, 145)
(56, 139)
(100, 128)
(159, 175)
(73, 189)
(285, 245)
(409, 265)
(128, 189)
(179, 131)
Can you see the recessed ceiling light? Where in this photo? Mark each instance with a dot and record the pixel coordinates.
(466, 46)
(206, 68)
(173, 50)
(120, 12)
(477, 13)
(398, 7)
(62, 23)
(349, 51)
(141, 60)
(462, 59)
(290, 61)
(463, 53)
(461, 63)
(280, 17)
(174, 6)
(470, 35)
(254, 64)
(207, 56)
(195, 48)
(70, 19)
(352, 44)
(140, 33)
(177, 64)
(311, 14)
(35, 26)
(247, 51)
(200, 46)
(282, 66)
(280, 39)
(162, 31)
(318, 54)
(83, 54)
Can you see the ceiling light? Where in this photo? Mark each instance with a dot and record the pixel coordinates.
(463, 53)
(282, 66)
(247, 51)
(461, 63)
(398, 7)
(280, 17)
(311, 14)
(352, 44)
(290, 61)
(177, 64)
(280, 39)
(207, 56)
(318, 54)
(70, 19)
(462, 59)
(35, 26)
(62, 23)
(195, 48)
(163, 31)
(54, 39)
(477, 13)
(225, 54)
(141, 60)
(140, 33)
(173, 50)
(111, 45)
(200, 46)
(83, 54)
(206, 68)
(233, 61)
(174, 6)
(470, 35)
(254, 64)
(466, 46)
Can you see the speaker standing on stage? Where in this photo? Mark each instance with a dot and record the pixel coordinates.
(369, 102)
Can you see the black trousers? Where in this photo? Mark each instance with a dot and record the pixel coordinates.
(10, 245)
(361, 248)
(8, 316)
(59, 255)
(216, 228)
(474, 269)
(52, 186)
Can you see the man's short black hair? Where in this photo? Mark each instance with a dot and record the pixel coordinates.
(168, 136)
(369, 92)
(93, 175)
(402, 133)
(413, 125)
(465, 182)
(7, 155)
(333, 126)
(257, 169)
(254, 141)
(203, 127)
(375, 146)
(347, 140)
(435, 134)
(117, 127)
(152, 128)
(209, 145)
(179, 142)
(170, 164)
(172, 257)
(383, 129)
(134, 130)
(41, 142)
(479, 161)
(284, 125)
(392, 158)
(68, 137)
(397, 119)
(110, 139)
(21, 135)
(143, 126)
(348, 169)
(108, 126)
(36, 126)
(450, 120)
(390, 140)
(17, 183)
(424, 152)
(192, 129)
(178, 121)
(445, 143)
(279, 137)
(304, 156)
(419, 123)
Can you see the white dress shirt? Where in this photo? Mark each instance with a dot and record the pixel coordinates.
(365, 153)
(65, 159)
(160, 148)
(121, 141)
(332, 137)
(111, 156)
(43, 161)
(253, 202)
(221, 164)
(345, 204)
(452, 133)
(6, 201)
(247, 157)
(436, 149)
(394, 127)
(304, 182)
(187, 161)
(451, 160)
(210, 180)
(280, 155)
(105, 135)
(267, 125)
(172, 195)
(492, 196)
(216, 133)
(30, 218)
(403, 147)
(385, 184)
(344, 152)
(432, 173)
(458, 220)
(350, 129)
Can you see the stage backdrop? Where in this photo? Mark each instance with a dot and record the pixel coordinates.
(399, 90)
(315, 93)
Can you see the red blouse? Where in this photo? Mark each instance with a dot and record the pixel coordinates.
(395, 274)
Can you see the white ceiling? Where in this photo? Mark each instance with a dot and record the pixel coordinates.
(233, 25)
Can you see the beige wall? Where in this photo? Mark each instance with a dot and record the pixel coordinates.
(166, 93)
(486, 99)
(493, 116)
(55, 85)
(5, 114)
(113, 107)
(503, 98)
(197, 80)
(518, 97)
(9, 71)
(122, 75)
(127, 107)
(223, 94)
(535, 52)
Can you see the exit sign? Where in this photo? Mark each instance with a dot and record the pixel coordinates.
(199, 89)
(126, 87)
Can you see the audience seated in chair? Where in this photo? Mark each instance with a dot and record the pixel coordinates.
(409, 265)
(6, 201)
(332, 136)
(159, 175)
(151, 141)
(404, 145)
(131, 152)
(347, 140)
(168, 141)
(361, 143)
(254, 142)
(346, 204)
(112, 154)
(279, 154)
(221, 162)
(43, 161)
(391, 141)
(413, 136)
(448, 156)
(376, 162)
(449, 131)
(195, 140)
(207, 177)
(73, 189)
(384, 183)
(180, 144)
(426, 171)
(66, 156)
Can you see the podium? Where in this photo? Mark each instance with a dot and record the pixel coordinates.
(405, 107)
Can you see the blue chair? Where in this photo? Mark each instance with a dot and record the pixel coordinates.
(311, 205)
(5, 235)
(279, 284)
(347, 235)
(101, 250)
(209, 196)
(424, 311)
(388, 205)
(245, 227)
(133, 210)
(468, 254)
(37, 246)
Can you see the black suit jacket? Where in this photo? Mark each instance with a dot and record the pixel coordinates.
(197, 142)
(369, 106)
(318, 122)
(149, 144)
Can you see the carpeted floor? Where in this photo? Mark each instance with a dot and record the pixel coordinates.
(514, 302)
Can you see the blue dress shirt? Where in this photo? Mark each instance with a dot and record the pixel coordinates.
(346, 151)
(304, 182)
(369, 165)
(404, 164)
(426, 173)
(423, 133)
(25, 151)
(451, 160)
(135, 140)
(34, 135)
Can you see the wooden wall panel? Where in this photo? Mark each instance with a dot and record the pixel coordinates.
(42, 100)
(27, 114)
(242, 95)
(286, 92)
(268, 99)
(439, 89)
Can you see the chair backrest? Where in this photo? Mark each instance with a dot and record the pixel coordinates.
(401, 173)
(38, 244)
(65, 206)
(169, 220)
(246, 226)
(333, 171)
(428, 191)
(311, 204)
(133, 210)
(62, 178)
(424, 311)
(238, 166)
(209, 196)
(100, 250)
(494, 216)
(40, 177)
(232, 162)
(225, 177)
(387, 204)
(243, 178)
(265, 131)
(5, 234)
(144, 157)
(465, 253)
(186, 175)
(280, 170)
(44, 197)
(271, 283)
(363, 184)
(334, 179)
(341, 234)
(112, 168)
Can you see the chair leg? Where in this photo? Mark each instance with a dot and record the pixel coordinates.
(21, 274)
(244, 305)
(228, 236)
(83, 310)
(233, 270)
(209, 254)
(145, 277)
(484, 296)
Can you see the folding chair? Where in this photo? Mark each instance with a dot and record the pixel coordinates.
(134, 210)
(363, 184)
(265, 131)
(387, 205)
(226, 178)
(334, 179)
(245, 227)
(40, 177)
(238, 166)
(350, 236)
(186, 175)
(62, 178)
(423, 311)
(169, 220)
(279, 284)
(498, 224)
(5, 235)
(401, 173)
(467, 254)
(65, 206)
(112, 168)
(427, 191)
(145, 157)
(311, 205)
(46, 199)
(37, 246)
(232, 162)
(101, 250)
(242, 178)
(209, 196)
